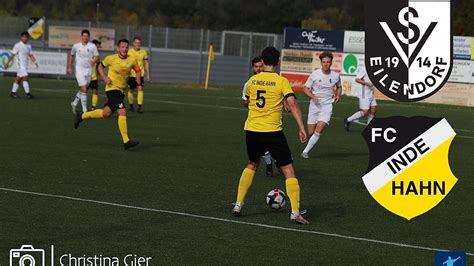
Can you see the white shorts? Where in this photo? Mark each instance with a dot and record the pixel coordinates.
(21, 72)
(83, 79)
(366, 103)
(319, 112)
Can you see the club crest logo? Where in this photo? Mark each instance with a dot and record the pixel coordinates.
(409, 171)
(408, 49)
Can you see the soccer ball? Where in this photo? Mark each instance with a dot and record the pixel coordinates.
(276, 199)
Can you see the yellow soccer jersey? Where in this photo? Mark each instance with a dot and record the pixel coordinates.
(119, 71)
(140, 55)
(266, 92)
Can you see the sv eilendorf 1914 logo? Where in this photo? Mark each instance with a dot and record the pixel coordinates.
(408, 47)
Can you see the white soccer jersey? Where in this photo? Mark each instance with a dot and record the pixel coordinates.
(23, 52)
(367, 92)
(244, 92)
(84, 55)
(322, 85)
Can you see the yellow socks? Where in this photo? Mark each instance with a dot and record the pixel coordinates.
(244, 184)
(130, 97)
(293, 191)
(96, 114)
(122, 123)
(140, 97)
(95, 100)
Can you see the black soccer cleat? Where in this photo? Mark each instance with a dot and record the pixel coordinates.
(78, 120)
(13, 95)
(29, 96)
(269, 170)
(130, 144)
(140, 110)
(131, 108)
(346, 124)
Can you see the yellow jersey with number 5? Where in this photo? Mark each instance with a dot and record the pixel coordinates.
(266, 92)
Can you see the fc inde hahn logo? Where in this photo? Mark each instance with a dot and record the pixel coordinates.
(408, 49)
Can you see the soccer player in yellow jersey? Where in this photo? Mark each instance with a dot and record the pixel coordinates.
(141, 56)
(119, 65)
(94, 84)
(266, 92)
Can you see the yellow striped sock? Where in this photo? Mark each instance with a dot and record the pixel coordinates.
(130, 97)
(96, 114)
(293, 191)
(122, 124)
(244, 184)
(140, 97)
(95, 100)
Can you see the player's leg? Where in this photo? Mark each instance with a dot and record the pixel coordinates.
(94, 86)
(364, 106)
(323, 116)
(140, 97)
(122, 120)
(267, 158)
(255, 150)
(132, 84)
(279, 148)
(373, 110)
(16, 85)
(312, 122)
(81, 95)
(26, 86)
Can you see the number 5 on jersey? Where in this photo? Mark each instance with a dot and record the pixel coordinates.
(260, 99)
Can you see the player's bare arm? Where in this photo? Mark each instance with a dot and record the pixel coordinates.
(9, 61)
(308, 93)
(70, 58)
(147, 70)
(337, 98)
(95, 60)
(296, 112)
(363, 82)
(33, 60)
(102, 74)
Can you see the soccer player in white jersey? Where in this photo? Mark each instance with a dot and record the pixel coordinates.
(324, 88)
(86, 56)
(367, 102)
(24, 52)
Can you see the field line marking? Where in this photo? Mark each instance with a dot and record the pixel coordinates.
(227, 220)
(229, 108)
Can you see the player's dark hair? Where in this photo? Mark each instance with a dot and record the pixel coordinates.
(256, 60)
(270, 56)
(25, 33)
(96, 42)
(326, 54)
(121, 41)
(137, 38)
(85, 31)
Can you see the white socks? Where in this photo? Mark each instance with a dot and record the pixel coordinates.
(83, 97)
(15, 87)
(311, 142)
(77, 98)
(26, 87)
(355, 116)
(267, 158)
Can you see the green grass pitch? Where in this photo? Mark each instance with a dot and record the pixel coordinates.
(189, 161)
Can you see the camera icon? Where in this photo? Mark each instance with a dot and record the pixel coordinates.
(27, 255)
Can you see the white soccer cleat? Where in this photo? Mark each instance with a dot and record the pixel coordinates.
(236, 211)
(73, 106)
(298, 218)
(305, 155)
